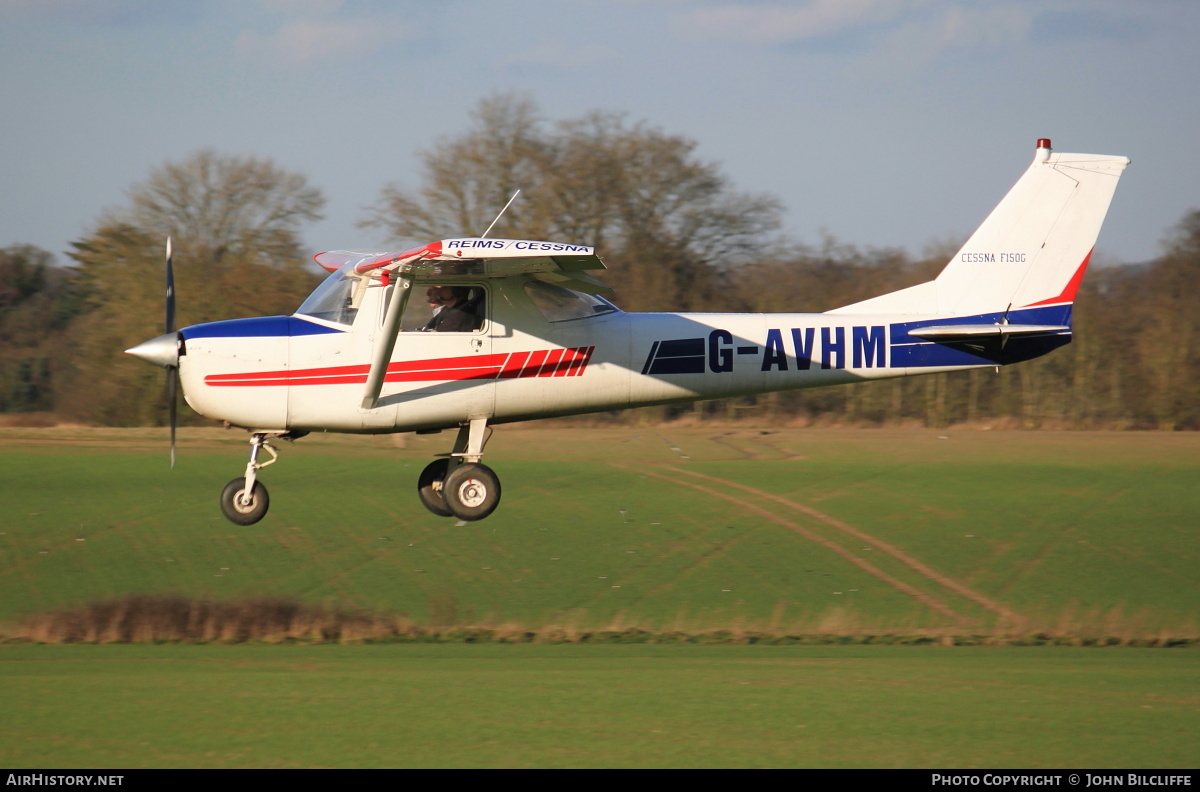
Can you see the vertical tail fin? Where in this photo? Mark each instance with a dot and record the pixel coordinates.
(1032, 250)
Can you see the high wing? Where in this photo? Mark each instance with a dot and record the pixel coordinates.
(334, 260)
(451, 260)
(455, 259)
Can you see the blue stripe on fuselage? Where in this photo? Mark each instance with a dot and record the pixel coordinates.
(258, 327)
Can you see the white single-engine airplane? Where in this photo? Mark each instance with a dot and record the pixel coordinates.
(521, 333)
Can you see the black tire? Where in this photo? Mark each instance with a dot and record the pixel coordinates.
(472, 491)
(431, 498)
(235, 512)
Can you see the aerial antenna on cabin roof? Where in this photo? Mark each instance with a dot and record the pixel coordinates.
(489, 228)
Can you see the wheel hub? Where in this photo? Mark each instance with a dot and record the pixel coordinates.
(243, 502)
(472, 493)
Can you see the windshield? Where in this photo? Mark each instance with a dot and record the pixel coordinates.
(332, 300)
(560, 304)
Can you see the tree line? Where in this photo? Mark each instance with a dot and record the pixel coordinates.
(672, 229)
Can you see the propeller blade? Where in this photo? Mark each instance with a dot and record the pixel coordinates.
(172, 386)
(172, 371)
(170, 291)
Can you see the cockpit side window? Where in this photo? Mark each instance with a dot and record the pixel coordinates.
(440, 308)
(432, 307)
(560, 304)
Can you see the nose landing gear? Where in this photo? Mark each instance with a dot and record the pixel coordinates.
(245, 501)
(455, 485)
(458, 485)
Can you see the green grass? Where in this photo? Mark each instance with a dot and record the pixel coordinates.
(499, 705)
(1073, 533)
(690, 530)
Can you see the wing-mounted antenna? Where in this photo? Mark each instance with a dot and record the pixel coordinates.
(502, 211)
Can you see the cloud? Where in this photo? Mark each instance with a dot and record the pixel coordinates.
(772, 24)
(963, 27)
(935, 25)
(890, 40)
(94, 13)
(312, 33)
(559, 54)
(303, 8)
(911, 46)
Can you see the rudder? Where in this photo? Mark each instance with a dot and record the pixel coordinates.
(1032, 250)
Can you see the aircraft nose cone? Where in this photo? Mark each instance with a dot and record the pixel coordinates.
(162, 351)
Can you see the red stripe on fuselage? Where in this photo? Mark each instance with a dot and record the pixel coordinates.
(535, 363)
(587, 356)
(516, 362)
(551, 363)
(544, 363)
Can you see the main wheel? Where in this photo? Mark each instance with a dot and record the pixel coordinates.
(244, 513)
(429, 487)
(472, 491)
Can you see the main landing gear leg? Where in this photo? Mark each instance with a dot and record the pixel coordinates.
(459, 485)
(244, 500)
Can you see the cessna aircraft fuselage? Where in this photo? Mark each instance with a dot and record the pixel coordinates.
(470, 332)
(301, 373)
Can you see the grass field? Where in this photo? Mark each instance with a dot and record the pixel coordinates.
(967, 537)
(495, 705)
(662, 529)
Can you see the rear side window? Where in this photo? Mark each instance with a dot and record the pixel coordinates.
(559, 304)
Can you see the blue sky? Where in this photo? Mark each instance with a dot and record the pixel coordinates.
(880, 122)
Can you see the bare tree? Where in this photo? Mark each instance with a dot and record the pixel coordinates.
(665, 222)
(468, 179)
(36, 299)
(225, 208)
(235, 223)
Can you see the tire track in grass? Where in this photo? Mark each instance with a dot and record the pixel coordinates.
(744, 443)
(908, 560)
(928, 600)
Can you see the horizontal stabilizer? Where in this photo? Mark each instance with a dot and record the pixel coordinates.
(951, 333)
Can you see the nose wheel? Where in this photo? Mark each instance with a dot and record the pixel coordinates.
(242, 508)
(460, 485)
(244, 501)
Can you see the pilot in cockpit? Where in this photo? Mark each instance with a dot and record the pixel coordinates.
(453, 312)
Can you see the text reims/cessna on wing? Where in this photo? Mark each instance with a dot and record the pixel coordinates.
(520, 333)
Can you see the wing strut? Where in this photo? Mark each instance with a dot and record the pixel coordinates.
(385, 342)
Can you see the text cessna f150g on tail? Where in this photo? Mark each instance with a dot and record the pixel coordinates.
(992, 258)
